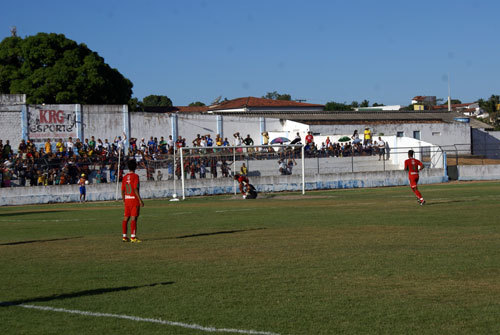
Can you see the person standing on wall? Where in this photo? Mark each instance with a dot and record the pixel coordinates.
(381, 148)
(367, 136)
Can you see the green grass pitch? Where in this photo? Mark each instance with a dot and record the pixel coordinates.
(356, 261)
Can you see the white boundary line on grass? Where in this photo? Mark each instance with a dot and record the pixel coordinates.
(49, 220)
(138, 319)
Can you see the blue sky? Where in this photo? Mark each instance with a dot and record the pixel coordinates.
(382, 51)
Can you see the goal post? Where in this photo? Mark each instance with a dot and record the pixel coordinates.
(213, 166)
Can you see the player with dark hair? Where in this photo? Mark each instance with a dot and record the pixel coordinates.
(246, 188)
(132, 202)
(414, 166)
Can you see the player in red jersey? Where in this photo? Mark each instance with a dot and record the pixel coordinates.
(414, 166)
(247, 189)
(132, 201)
(243, 181)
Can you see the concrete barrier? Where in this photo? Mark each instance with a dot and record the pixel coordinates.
(196, 187)
(478, 172)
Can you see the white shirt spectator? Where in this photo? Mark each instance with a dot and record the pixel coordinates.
(170, 142)
(69, 145)
(142, 146)
(105, 145)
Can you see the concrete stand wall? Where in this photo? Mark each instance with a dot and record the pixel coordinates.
(163, 189)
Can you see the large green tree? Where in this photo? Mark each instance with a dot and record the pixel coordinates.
(50, 68)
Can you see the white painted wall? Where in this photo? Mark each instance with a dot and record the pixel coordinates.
(441, 134)
(10, 126)
(106, 121)
(102, 121)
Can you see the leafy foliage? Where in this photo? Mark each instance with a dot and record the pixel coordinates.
(157, 100)
(50, 68)
(276, 96)
(491, 106)
(135, 105)
(338, 106)
(197, 104)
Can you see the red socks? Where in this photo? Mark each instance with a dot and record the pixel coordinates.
(417, 193)
(133, 227)
(124, 228)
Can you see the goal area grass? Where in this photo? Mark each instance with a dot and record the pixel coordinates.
(356, 261)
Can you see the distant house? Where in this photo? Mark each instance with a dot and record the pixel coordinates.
(469, 109)
(247, 105)
(424, 100)
(261, 105)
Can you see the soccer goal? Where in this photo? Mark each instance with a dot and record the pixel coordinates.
(269, 168)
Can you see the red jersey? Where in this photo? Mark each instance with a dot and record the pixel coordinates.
(309, 138)
(242, 179)
(413, 165)
(129, 183)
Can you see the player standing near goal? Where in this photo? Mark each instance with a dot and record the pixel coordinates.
(132, 202)
(414, 166)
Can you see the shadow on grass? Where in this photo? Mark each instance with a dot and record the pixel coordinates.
(41, 241)
(440, 202)
(79, 294)
(205, 234)
(10, 214)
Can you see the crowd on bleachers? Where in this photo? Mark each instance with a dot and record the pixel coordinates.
(63, 162)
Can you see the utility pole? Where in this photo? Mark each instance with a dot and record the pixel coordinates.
(449, 94)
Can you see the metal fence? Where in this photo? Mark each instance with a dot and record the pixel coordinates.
(223, 162)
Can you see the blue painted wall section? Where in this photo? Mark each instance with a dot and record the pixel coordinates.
(24, 122)
(126, 124)
(79, 122)
(220, 125)
(173, 123)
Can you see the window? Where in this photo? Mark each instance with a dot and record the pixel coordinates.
(400, 134)
(436, 133)
(416, 134)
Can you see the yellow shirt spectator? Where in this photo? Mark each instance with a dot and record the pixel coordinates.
(368, 134)
(48, 147)
(60, 146)
(265, 136)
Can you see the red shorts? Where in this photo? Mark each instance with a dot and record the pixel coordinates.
(413, 181)
(132, 209)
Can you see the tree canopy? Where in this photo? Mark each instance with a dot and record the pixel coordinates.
(196, 104)
(157, 100)
(492, 107)
(277, 96)
(50, 68)
(338, 106)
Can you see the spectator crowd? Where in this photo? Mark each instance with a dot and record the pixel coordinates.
(63, 162)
